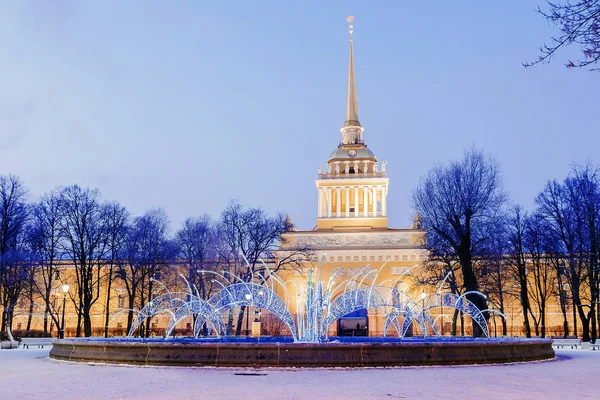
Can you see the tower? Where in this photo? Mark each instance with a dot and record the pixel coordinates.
(352, 191)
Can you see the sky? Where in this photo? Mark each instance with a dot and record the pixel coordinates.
(186, 105)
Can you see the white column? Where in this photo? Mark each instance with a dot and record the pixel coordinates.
(338, 197)
(374, 201)
(320, 203)
(347, 189)
(365, 202)
(384, 201)
(329, 202)
(356, 201)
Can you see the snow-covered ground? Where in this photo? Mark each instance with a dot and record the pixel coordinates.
(26, 374)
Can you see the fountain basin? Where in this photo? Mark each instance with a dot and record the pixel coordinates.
(365, 353)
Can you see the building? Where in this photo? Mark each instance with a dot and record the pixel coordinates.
(352, 235)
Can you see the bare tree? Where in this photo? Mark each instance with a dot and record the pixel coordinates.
(116, 231)
(517, 253)
(579, 22)
(252, 235)
(44, 237)
(462, 204)
(84, 240)
(571, 210)
(493, 270)
(535, 240)
(441, 269)
(13, 268)
(198, 251)
(147, 252)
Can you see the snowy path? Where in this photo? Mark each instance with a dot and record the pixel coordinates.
(30, 374)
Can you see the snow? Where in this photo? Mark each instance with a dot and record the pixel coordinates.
(30, 374)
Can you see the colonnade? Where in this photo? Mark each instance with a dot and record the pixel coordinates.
(344, 201)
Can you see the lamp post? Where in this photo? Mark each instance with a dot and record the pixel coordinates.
(248, 296)
(442, 307)
(65, 290)
(423, 295)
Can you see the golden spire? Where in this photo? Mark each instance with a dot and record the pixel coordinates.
(351, 103)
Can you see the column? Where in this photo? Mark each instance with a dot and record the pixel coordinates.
(384, 201)
(320, 203)
(374, 201)
(356, 201)
(365, 202)
(329, 202)
(338, 194)
(347, 189)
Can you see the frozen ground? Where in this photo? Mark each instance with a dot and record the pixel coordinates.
(30, 374)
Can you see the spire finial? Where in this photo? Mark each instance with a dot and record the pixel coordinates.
(350, 20)
(352, 131)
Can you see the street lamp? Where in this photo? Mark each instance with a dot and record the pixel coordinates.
(423, 295)
(248, 296)
(65, 290)
(442, 308)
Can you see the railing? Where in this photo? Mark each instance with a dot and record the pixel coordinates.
(351, 215)
(359, 175)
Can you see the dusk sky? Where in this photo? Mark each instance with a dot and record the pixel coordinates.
(186, 105)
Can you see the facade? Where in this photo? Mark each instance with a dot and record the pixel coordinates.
(352, 233)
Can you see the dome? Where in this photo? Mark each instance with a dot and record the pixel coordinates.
(352, 153)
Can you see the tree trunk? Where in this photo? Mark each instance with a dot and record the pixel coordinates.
(543, 318)
(30, 313)
(230, 322)
(470, 283)
(574, 319)
(454, 319)
(78, 331)
(87, 322)
(524, 294)
(107, 316)
(240, 320)
(585, 323)
(46, 311)
(9, 326)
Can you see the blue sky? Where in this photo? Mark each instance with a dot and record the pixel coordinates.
(185, 105)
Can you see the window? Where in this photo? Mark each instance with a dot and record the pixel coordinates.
(188, 325)
(119, 325)
(18, 326)
(413, 257)
(355, 258)
(57, 275)
(380, 258)
(347, 258)
(396, 257)
(364, 258)
(404, 257)
(154, 325)
(121, 301)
